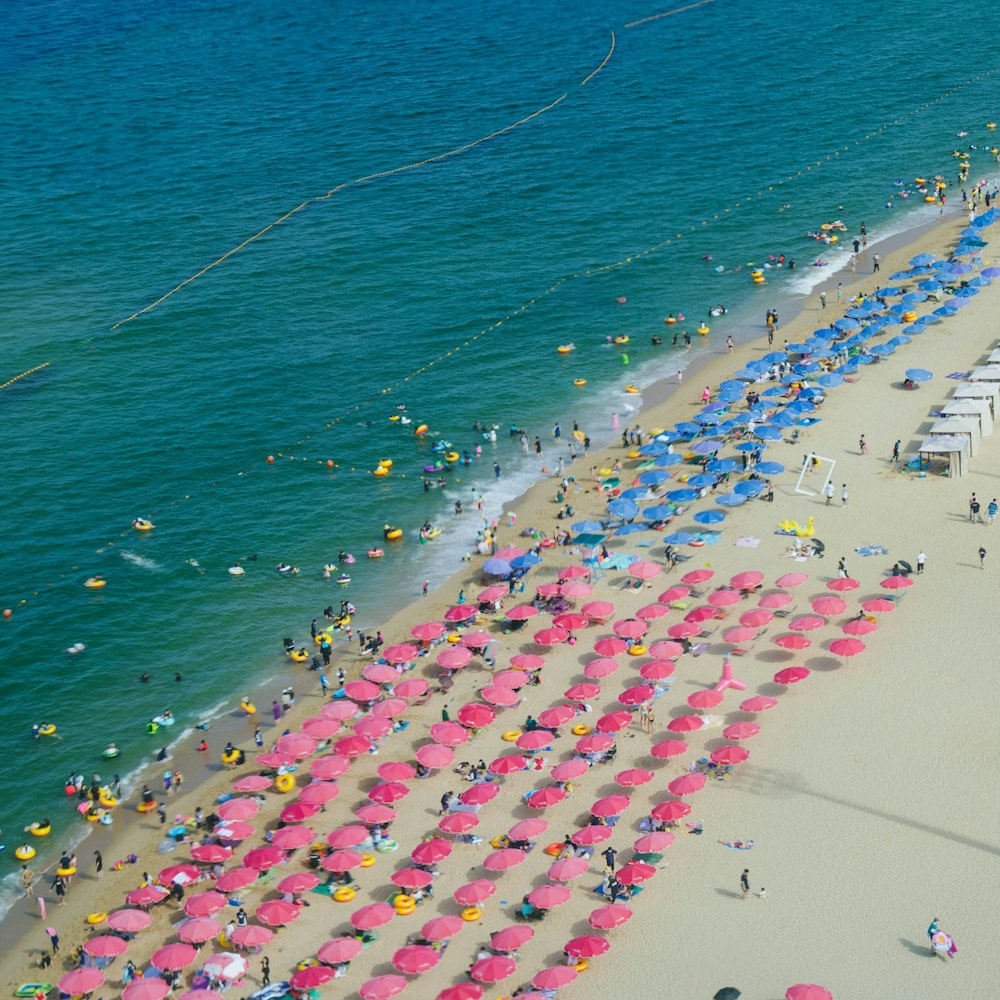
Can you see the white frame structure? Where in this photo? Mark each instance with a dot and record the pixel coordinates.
(806, 463)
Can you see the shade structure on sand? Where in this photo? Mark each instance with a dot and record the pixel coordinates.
(373, 915)
(147, 988)
(277, 913)
(493, 969)
(457, 823)
(415, 958)
(669, 748)
(311, 977)
(554, 978)
(807, 991)
(441, 928)
(474, 893)
(607, 917)
(587, 947)
(106, 946)
(341, 949)
(382, 987)
(252, 936)
(511, 938)
(842, 583)
(174, 957)
(81, 981)
(545, 897)
(129, 921)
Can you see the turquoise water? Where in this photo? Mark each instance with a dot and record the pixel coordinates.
(142, 144)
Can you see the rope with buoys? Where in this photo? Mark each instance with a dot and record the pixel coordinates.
(25, 374)
(667, 13)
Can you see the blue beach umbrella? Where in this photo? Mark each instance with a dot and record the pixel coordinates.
(966, 293)
(798, 349)
(864, 359)
(635, 493)
(582, 526)
(782, 420)
(748, 446)
(706, 447)
(921, 259)
(900, 339)
(665, 437)
(749, 374)
(757, 366)
(679, 538)
(775, 357)
(653, 478)
(945, 311)
(623, 507)
(800, 406)
(682, 496)
(749, 488)
(731, 499)
(529, 559)
(959, 269)
(730, 396)
(709, 419)
(770, 468)
(775, 391)
(700, 481)
(653, 449)
(990, 272)
(930, 286)
(722, 465)
(914, 297)
(631, 528)
(659, 512)
(919, 374)
(732, 384)
(768, 433)
(807, 367)
(882, 350)
(979, 282)
(709, 517)
(496, 567)
(687, 428)
(665, 461)
(899, 276)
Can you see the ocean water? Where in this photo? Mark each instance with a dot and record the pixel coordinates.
(144, 143)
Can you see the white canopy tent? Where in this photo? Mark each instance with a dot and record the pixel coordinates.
(989, 391)
(967, 427)
(985, 373)
(978, 409)
(954, 450)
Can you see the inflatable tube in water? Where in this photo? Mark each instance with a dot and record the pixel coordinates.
(95, 583)
(284, 782)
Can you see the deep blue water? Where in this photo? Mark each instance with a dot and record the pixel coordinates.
(142, 143)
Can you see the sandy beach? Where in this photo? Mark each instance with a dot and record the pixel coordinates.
(865, 792)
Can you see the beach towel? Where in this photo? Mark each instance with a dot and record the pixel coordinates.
(807, 421)
(872, 550)
(748, 542)
(959, 375)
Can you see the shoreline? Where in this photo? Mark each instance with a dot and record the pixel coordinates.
(465, 576)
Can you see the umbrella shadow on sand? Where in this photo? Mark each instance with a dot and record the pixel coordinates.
(777, 783)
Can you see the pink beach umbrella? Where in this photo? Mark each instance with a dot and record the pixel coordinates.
(747, 579)
(380, 673)
(878, 605)
(635, 873)
(669, 748)
(211, 853)
(574, 573)
(827, 605)
(534, 739)
(411, 878)
(415, 687)
(389, 708)
(601, 666)
(548, 590)
(687, 784)
(571, 621)
(174, 957)
(382, 987)
(729, 755)
(656, 670)
(396, 770)
(630, 628)
(415, 958)
(511, 938)
(546, 897)
(388, 791)
(858, 626)
(298, 812)
(234, 831)
(329, 768)
(430, 852)
(508, 764)
(697, 576)
(792, 579)
(476, 640)
(441, 928)
(340, 710)
(352, 746)
(522, 612)
(606, 918)
(806, 623)
(575, 589)
(583, 692)
(106, 946)
(633, 777)
(492, 594)
(702, 614)
(610, 646)
(527, 661)
(610, 805)
(374, 813)
(457, 823)
(147, 988)
(81, 981)
(502, 697)
(463, 991)
(759, 703)
(362, 690)
(554, 978)
(644, 570)
(427, 631)
(675, 593)
(435, 755)
(475, 715)
(847, 647)
(461, 613)
(504, 859)
(238, 809)
(653, 843)
(598, 610)
(298, 745)
(807, 991)
(264, 858)
(703, 700)
(595, 743)
(310, 977)
(367, 918)
(637, 694)
(493, 969)
(568, 770)
(666, 649)
(454, 657)
(129, 921)
(474, 893)
(319, 728)
(687, 724)
(791, 675)
(236, 879)
(756, 618)
(793, 641)
(670, 812)
(842, 583)
(299, 882)
(741, 730)
(546, 797)
(590, 836)
(251, 783)
(509, 553)
(178, 874)
(290, 838)
(342, 860)
(651, 612)
(339, 950)
(252, 936)
(613, 722)
(146, 895)
(684, 630)
(556, 716)
(552, 636)
(526, 829)
(205, 904)
(776, 599)
(513, 679)
(723, 598)
(739, 633)
(567, 869)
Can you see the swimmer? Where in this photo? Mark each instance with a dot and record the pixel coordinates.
(143, 678)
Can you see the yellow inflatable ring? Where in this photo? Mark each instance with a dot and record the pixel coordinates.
(703, 329)
(145, 807)
(454, 637)
(635, 454)
(367, 860)
(604, 472)
(580, 729)
(47, 729)
(621, 340)
(380, 471)
(230, 758)
(929, 197)
(344, 894)
(307, 963)
(322, 637)
(670, 320)
(40, 831)
(284, 782)
(108, 801)
(451, 456)
(579, 381)
(93, 815)
(471, 914)
(554, 850)
(96, 918)
(403, 900)
(66, 872)
(631, 388)
(398, 532)
(95, 583)
(636, 650)
(299, 655)
(511, 735)
(582, 965)
(249, 707)
(24, 853)
(497, 842)
(385, 463)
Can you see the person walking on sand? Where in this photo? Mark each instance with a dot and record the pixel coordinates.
(843, 495)
(932, 930)
(730, 344)
(27, 877)
(921, 561)
(842, 568)
(822, 300)
(972, 500)
(265, 971)
(745, 883)
(98, 865)
(863, 445)
(982, 557)
(828, 493)
(991, 511)
(895, 452)
(876, 261)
